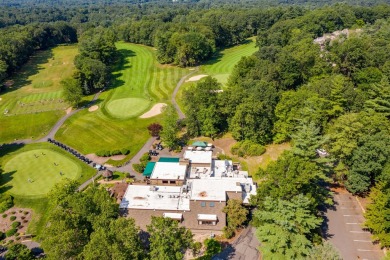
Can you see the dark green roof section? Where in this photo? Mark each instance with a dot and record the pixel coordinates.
(169, 159)
(149, 169)
(199, 143)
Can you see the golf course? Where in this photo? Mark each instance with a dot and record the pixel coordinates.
(139, 83)
(33, 102)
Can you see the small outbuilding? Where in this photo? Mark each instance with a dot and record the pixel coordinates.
(108, 174)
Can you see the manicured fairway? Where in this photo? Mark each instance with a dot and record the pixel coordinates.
(223, 62)
(139, 83)
(35, 172)
(34, 95)
(127, 107)
(221, 65)
(138, 75)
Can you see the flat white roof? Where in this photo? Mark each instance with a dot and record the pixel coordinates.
(198, 156)
(214, 189)
(173, 215)
(169, 170)
(161, 198)
(211, 217)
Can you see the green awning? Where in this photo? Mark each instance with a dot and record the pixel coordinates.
(149, 169)
(169, 159)
(199, 144)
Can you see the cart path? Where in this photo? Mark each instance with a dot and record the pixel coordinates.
(178, 85)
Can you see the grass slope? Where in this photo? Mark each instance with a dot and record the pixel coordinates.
(223, 62)
(19, 160)
(138, 75)
(34, 94)
(221, 65)
(138, 78)
(43, 167)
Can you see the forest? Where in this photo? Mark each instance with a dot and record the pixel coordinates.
(329, 98)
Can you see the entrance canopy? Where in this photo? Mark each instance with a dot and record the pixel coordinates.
(149, 169)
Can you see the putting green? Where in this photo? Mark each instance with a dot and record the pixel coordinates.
(127, 107)
(35, 172)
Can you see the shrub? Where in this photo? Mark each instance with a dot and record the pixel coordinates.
(224, 157)
(103, 153)
(25, 213)
(22, 217)
(15, 224)
(5, 215)
(13, 212)
(25, 221)
(247, 148)
(228, 232)
(125, 151)
(2, 235)
(20, 211)
(17, 238)
(115, 152)
(6, 202)
(11, 232)
(145, 158)
(139, 167)
(12, 218)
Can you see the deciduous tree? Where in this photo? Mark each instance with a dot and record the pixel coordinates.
(167, 239)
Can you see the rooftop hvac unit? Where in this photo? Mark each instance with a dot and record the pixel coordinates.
(184, 188)
(153, 188)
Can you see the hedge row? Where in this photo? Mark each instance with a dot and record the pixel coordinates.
(140, 167)
(105, 153)
(6, 202)
(247, 148)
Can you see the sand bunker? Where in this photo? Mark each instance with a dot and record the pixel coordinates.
(196, 78)
(93, 108)
(154, 111)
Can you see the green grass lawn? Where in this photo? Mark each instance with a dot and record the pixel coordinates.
(221, 65)
(34, 94)
(139, 83)
(19, 163)
(35, 172)
(42, 164)
(127, 107)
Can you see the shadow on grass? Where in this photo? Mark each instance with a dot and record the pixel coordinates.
(5, 178)
(32, 67)
(122, 64)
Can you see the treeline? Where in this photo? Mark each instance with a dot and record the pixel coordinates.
(187, 37)
(331, 101)
(18, 43)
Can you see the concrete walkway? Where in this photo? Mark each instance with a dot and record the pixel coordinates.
(178, 85)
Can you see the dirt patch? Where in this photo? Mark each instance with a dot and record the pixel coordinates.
(21, 215)
(196, 78)
(154, 111)
(93, 108)
(102, 160)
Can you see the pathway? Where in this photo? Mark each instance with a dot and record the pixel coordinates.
(243, 248)
(178, 85)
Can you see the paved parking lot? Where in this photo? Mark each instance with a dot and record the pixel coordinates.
(345, 230)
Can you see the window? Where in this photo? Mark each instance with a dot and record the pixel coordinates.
(203, 204)
(164, 181)
(207, 222)
(212, 204)
(172, 182)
